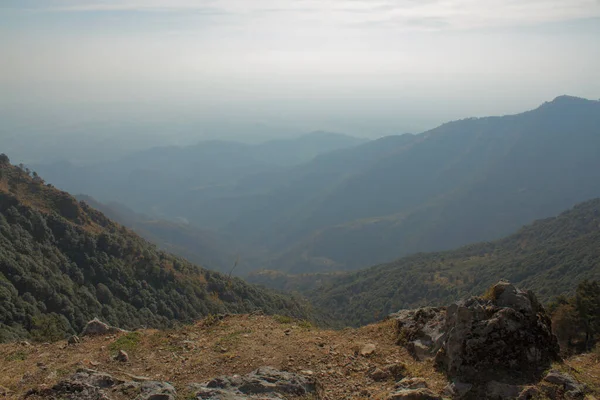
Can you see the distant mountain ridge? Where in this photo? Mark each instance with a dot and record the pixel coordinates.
(464, 181)
(145, 179)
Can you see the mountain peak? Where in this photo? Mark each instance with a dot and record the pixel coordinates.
(569, 100)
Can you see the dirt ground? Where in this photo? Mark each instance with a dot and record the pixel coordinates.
(236, 345)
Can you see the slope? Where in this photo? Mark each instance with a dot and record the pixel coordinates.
(62, 263)
(550, 256)
(203, 247)
(466, 181)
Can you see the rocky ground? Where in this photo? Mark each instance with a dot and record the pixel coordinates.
(261, 357)
(239, 345)
(235, 345)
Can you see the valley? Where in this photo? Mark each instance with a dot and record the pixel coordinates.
(361, 204)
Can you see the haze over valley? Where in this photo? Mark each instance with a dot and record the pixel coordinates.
(300, 199)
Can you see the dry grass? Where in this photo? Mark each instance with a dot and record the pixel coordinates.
(238, 345)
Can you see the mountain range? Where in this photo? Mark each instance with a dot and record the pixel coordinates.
(550, 256)
(360, 203)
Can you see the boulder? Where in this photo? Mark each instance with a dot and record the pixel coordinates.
(457, 390)
(572, 388)
(264, 383)
(152, 390)
(97, 327)
(420, 330)
(87, 384)
(507, 333)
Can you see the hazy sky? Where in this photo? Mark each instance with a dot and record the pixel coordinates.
(368, 67)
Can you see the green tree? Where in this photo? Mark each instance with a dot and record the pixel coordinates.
(566, 324)
(587, 304)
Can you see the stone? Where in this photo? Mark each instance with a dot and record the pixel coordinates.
(74, 339)
(413, 394)
(420, 330)
(379, 375)
(503, 334)
(457, 390)
(264, 383)
(87, 384)
(94, 378)
(570, 385)
(97, 327)
(137, 378)
(412, 383)
(501, 391)
(122, 356)
(152, 390)
(368, 349)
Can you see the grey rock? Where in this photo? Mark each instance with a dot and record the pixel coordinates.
(264, 383)
(506, 294)
(87, 384)
(571, 386)
(457, 390)
(94, 378)
(151, 390)
(421, 330)
(413, 394)
(97, 327)
(506, 334)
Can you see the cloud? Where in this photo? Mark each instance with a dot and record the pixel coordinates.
(403, 14)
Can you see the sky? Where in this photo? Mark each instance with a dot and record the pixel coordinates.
(181, 69)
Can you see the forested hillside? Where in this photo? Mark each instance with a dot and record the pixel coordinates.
(550, 256)
(63, 263)
(463, 182)
(207, 248)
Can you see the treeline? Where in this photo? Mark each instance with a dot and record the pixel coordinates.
(63, 263)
